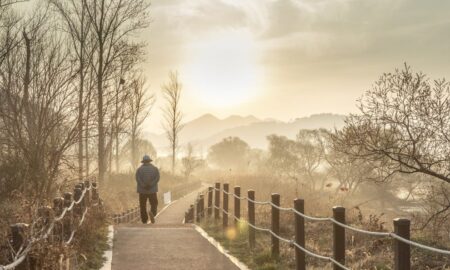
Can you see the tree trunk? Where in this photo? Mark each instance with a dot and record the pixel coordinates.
(101, 128)
(110, 151)
(80, 121)
(173, 158)
(116, 134)
(80, 100)
(133, 150)
(86, 137)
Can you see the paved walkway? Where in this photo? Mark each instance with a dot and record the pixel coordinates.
(168, 244)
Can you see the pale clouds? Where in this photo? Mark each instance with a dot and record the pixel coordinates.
(318, 55)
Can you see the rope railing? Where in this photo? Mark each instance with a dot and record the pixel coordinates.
(401, 233)
(288, 241)
(81, 200)
(358, 230)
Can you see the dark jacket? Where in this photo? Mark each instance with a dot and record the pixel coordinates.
(147, 178)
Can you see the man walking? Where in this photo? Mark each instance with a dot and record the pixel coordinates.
(147, 178)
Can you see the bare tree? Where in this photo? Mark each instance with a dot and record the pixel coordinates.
(74, 15)
(6, 3)
(298, 159)
(190, 162)
(403, 128)
(37, 102)
(10, 31)
(310, 146)
(139, 105)
(348, 172)
(112, 22)
(172, 114)
(404, 125)
(126, 71)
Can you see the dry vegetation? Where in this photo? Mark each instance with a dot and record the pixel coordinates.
(64, 112)
(363, 252)
(85, 251)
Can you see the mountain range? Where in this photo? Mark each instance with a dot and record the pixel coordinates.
(208, 129)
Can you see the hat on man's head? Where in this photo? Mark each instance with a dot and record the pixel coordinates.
(146, 159)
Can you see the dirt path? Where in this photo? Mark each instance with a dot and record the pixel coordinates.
(168, 244)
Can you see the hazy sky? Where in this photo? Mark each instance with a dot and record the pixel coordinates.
(290, 58)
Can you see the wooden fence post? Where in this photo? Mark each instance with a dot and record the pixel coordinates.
(18, 239)
(76, 196)
(402, 251)
(299, 205)
(217, 201)
(226, 188)
(197, 210)
(191, 214)
(67, 222)
(251, 218)
(237, 205)
(87, 196)
(82, 186)
(83, 201)
(275, 225)
(202, 206)
(95, 196)
(188, 215)
(44, 214)
(339, 237)
(58, 205)
(210, 199)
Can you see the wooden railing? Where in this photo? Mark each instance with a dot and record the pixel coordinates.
(198, 211)
(56, 225)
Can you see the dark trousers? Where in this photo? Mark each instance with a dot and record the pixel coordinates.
(153, 198)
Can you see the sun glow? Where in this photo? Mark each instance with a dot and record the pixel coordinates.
(223, 69)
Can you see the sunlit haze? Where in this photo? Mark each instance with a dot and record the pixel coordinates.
(224, 134)
(223, 69)
(287, 59)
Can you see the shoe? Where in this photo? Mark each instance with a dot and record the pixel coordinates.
(152, 217)
(148, 222)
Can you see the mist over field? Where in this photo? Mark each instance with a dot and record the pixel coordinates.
(334, 114)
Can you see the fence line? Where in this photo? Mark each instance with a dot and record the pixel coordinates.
(84, 194)
(400, 234)
(382, 234)
(133, 214)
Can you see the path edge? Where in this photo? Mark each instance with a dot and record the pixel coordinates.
(220, 248)
(109, 252)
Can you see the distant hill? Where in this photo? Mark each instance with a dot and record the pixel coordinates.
(208, 125)
(255, 134)
(208, 129)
